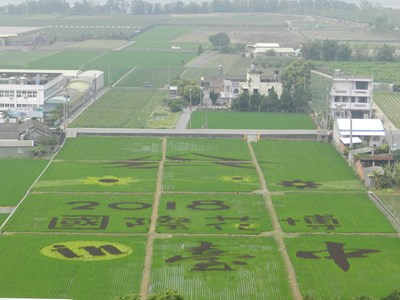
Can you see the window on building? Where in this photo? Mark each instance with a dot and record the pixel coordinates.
(376, 139)
(362, 100)
(344, 99)
(353, 99)
(361, 85)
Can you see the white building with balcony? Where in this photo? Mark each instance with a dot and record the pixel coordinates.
(351, 97)
(254, 82)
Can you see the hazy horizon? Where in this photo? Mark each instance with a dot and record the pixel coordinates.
(385, 3)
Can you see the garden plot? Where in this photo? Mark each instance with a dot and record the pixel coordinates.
(218, 176)
(345, 267)
(329, 212)
(113, 176)
(213, 214)
(81, 267)
(112, 148)
(95, 213)
(304, 166)
(216, 268)
(206, 149)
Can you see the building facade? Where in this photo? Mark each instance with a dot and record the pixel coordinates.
(24, 93)
(351, 97)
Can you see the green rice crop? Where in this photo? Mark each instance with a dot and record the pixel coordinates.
(112, 148)
(250, 120)
(17, 175)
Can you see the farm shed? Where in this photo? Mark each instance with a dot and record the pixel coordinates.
(367, 131)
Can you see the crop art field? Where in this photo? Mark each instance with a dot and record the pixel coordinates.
(116, 216)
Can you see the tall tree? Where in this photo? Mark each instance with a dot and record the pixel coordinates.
(219, 40)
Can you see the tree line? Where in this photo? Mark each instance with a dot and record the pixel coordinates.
(329, 50)
(88, 7)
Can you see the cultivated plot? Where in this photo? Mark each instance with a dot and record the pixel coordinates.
(329, 212)
(65, 60)
(392, 202)
(150, 77)
(94, 213)
(206, 149)
(164, 33)
(121, 109)
(78, 267)
(250, 120)
(218, 176)
(17, 175)
(215, 268)
(213, 214)
(111, 148)
(303, 166)
(113, 176)
(332, 267)
(389, 103)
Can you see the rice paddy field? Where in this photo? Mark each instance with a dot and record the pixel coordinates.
(210, 218)
(250, 120)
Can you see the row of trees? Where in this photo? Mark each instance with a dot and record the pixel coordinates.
(142, 7)
(329, 50)
(389, 176)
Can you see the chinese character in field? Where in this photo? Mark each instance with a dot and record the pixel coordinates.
(318, 221)
(173, 223)
(79, 222)
(208, 257)
(242, 225)
(337, 253)
(133, 222)
(328, 222)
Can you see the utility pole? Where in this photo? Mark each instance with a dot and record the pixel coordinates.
(249, 81)
(190, 108)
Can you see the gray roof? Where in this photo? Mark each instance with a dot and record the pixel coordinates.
(9, 131)
(12, 131)
(33, 124)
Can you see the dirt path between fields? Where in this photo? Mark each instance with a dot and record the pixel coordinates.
(278, 232)
(153, 223)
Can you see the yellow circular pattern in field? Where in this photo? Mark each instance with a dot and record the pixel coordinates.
(86, 250)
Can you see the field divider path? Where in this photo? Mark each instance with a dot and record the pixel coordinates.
(122, 78)
(144, 285)
(278, 232)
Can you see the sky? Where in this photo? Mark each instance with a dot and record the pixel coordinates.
(384, 3)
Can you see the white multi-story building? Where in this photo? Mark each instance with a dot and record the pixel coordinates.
(351, 97)
(24, 91)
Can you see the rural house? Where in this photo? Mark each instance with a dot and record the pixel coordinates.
(361, 131)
